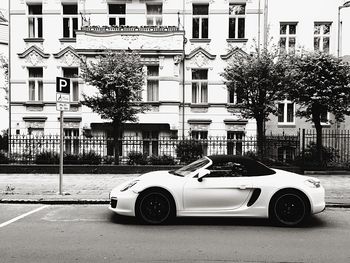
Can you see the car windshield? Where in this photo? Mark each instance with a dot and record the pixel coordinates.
(183, 171)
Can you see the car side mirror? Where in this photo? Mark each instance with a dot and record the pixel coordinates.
(202, 173)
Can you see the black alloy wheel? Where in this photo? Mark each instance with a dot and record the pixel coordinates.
(154, 208)
(289, 209)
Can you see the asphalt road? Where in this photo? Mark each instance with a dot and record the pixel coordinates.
(91, 233)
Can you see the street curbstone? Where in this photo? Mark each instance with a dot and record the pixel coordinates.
(57, 201)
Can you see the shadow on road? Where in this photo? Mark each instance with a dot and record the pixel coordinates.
(313, 222)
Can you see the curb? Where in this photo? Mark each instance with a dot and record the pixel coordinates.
(103, 201)
(337, 205)
(54, 201)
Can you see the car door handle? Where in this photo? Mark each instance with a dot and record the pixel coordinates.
(242, 187)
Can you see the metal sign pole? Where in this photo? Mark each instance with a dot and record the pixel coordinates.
(62, 104)
(61, 153)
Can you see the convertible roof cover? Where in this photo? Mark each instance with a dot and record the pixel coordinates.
(229, 158)
(253, 167)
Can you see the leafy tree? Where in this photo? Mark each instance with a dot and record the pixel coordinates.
(320, 84)
(4, 140)
(258, 80)
(5, 66)
(119, 79)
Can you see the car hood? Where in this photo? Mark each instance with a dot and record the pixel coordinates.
(154, 175)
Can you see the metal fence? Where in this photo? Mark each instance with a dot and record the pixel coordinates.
(277, 149)
(335, 146)
(26, 148)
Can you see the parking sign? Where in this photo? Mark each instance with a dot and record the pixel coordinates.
(62, 85)
(63, 94)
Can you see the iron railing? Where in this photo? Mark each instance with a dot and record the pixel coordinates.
(25, 148)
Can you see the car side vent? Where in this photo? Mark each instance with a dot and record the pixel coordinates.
(254, 197)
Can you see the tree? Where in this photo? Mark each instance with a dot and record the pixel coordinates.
(5, 66)
(258, 80)
(320, 84)
(119, 79)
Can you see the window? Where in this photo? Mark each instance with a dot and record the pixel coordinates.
(236, 21)
(35, 83)
(71, 141)
(239, 166)
(286, 112)
(324, 116)
(35, 21)
(234, 142)
(72, 73)
(199, 86)
(287, 37)
(150, 142)
(234, 97)
(199, 135)
(70, 20)
(187, 169)
(200, 21)
(322, 36)
(116, 14)
(227, 169)
(286, 154)
(154, 15)
(35, 131)
(152, 83)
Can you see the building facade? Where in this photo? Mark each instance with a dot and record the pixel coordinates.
(4, 56)
(296, 25)
(184, 46)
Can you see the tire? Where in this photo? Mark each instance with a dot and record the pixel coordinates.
(289, 208)
(155, 207)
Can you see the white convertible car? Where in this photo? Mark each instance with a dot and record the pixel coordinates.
(220, 185)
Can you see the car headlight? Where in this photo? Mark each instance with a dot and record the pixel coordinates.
(129, 185)
(313, 183)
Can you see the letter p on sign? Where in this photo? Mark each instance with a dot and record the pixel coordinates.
(62, 85)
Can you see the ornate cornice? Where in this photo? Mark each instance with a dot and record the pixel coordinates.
(62, 52)
(68, 56)
(34, 49)
(236, 52)
(200, 50)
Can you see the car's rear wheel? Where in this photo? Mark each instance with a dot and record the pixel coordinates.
(289, 208)
(154, 207)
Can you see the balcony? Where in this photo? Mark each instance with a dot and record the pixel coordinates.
(160, 40)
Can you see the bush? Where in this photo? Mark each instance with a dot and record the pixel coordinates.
(3, 158)
(251, 154)
(108, 160)
(161, 160)
(4, 142)
(137, 158)
(71, 159)
(47, 158)
(310, 156)
(189, 150)
(53, 158)
(90, 158)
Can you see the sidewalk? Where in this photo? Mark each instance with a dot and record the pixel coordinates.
(94, 188)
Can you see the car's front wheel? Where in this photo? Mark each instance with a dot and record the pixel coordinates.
(289, 208)
(154, 207)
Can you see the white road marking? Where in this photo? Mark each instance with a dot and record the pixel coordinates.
(22, 216)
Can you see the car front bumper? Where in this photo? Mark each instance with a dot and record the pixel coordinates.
(123, 203)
